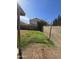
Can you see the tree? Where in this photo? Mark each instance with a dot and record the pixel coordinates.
(57, 21)
(40, 24)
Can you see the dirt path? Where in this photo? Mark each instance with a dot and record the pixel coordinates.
(39, 51)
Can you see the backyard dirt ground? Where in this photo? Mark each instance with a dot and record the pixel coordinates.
(41, 51)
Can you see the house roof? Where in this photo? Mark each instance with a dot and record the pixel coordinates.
(20, 10)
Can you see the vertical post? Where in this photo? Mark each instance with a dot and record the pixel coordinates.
(18, 28)
(50, 31)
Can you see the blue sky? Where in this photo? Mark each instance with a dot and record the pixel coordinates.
(43, 9)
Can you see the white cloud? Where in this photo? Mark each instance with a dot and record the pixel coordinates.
(25, 19)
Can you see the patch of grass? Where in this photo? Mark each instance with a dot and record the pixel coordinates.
(30, 36)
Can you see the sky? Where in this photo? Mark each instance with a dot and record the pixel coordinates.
(47, 10)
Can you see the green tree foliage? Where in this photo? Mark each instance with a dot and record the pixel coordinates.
(57, 21)
(40, 24)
